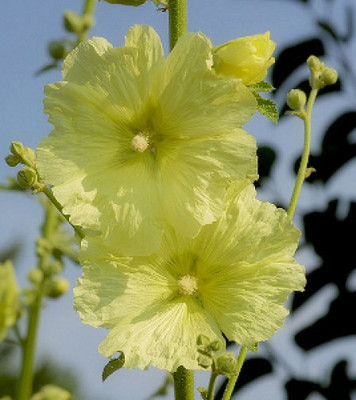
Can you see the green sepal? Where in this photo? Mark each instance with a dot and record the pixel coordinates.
(253, 348)
(203, 393)
(112, 366)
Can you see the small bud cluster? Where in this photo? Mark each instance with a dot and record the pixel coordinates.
(207, 350)
(320, 76)
(27, 177)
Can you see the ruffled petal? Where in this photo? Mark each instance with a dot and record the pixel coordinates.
(164, 336)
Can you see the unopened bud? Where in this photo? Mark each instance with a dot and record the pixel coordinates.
(204, 361)
(12, 161)
(56, 286)
(329, 76)
(227, 364)
(56, 50)
(35, 276)
(314, 64)
(73, 22)
(22, 154)
(27, 177)
(296, 99)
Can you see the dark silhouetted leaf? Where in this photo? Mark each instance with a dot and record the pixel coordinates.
(292, 57)
(334, 325)
(300, 389)
(340, 386)
(266, 159)
(253, 368)
(327, 27)
(333, 240)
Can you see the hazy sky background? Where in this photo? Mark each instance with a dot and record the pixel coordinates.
(25, 29)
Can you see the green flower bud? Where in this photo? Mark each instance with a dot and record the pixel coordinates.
(35, 276)
(127, 2)
(329, 76)
(226, 364)
(56, 286)
(17, 148)
(22, 154)
(73, 22)
(9, 298)
(56, 50)
(27, 177)
(296, 99)
(52, 392)
(204, 361)
(12, 160)
(314, 64)
(54, 268)
(203, 340)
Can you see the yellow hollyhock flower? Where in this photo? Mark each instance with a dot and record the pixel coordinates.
(140, 141)
(9, 298)
(232, 279)
(247, 58)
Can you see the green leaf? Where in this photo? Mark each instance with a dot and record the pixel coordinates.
(262, 86)
(112, 366)
(267, 108)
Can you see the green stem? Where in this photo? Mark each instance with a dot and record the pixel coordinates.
(232, 381)
(183, 384)
(306, 151)
(212, 386)
(29, 344)
(177, 20)
(59, 207)
(88, 10)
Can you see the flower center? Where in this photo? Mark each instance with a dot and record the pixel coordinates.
(188, 285)
(140, 143)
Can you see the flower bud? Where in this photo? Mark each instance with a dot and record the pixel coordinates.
(52, 392)
(35, 276)
(227, 364)
(56, 286)
(27, 177)
(314, 64)
(56, 50)
(22, 154)
(72, 22)
(329, 76)
(296, 99)
(247, 58)
(127, 2)
(12, 160)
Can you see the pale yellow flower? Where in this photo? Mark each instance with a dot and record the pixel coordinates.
(247, 58)
(232, 279)
(141, 141)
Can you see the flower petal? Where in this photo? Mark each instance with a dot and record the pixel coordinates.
(164, 336)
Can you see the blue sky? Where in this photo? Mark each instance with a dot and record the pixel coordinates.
(25, 29)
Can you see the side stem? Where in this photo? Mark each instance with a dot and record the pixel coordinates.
(305, 156)
(232, 381)
(29, 344)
